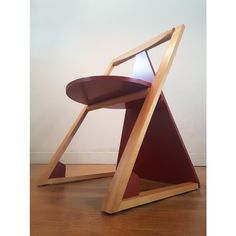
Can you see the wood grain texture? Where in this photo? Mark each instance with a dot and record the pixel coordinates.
(71, 179)
(145, 46)
(120, 180)
(113, 200)
(157, 194)
(74, 209)
(109, 69)
(119, 102)
(62, 147)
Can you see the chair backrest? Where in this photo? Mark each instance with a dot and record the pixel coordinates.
(143, 68)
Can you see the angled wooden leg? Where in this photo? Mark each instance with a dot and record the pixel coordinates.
(113, 200)
(62, 147)
(48, 176)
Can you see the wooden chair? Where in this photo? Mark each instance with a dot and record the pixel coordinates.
(151, 148)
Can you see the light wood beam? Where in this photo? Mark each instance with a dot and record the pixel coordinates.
(157, 194)
(120, 180)
(119, 100)
(145, 46)
(62, 147)
(77, 178)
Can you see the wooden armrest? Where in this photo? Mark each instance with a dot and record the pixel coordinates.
(145, 46)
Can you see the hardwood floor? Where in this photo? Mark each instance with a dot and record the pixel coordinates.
(75, 209)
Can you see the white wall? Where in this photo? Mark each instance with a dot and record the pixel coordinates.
(72, 39)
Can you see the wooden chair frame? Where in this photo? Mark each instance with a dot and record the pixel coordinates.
(114, 201)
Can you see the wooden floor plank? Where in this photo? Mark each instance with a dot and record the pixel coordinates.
(75, 209)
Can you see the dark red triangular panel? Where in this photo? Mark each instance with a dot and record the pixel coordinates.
(58, 171)
(162, 156)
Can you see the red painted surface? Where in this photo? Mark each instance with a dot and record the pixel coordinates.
(162, 156)
(94, 89)
(59, 171)
(132, 188)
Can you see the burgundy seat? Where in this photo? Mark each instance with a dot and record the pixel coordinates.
(95, 89)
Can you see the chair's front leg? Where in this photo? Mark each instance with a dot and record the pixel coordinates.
(62, 147)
